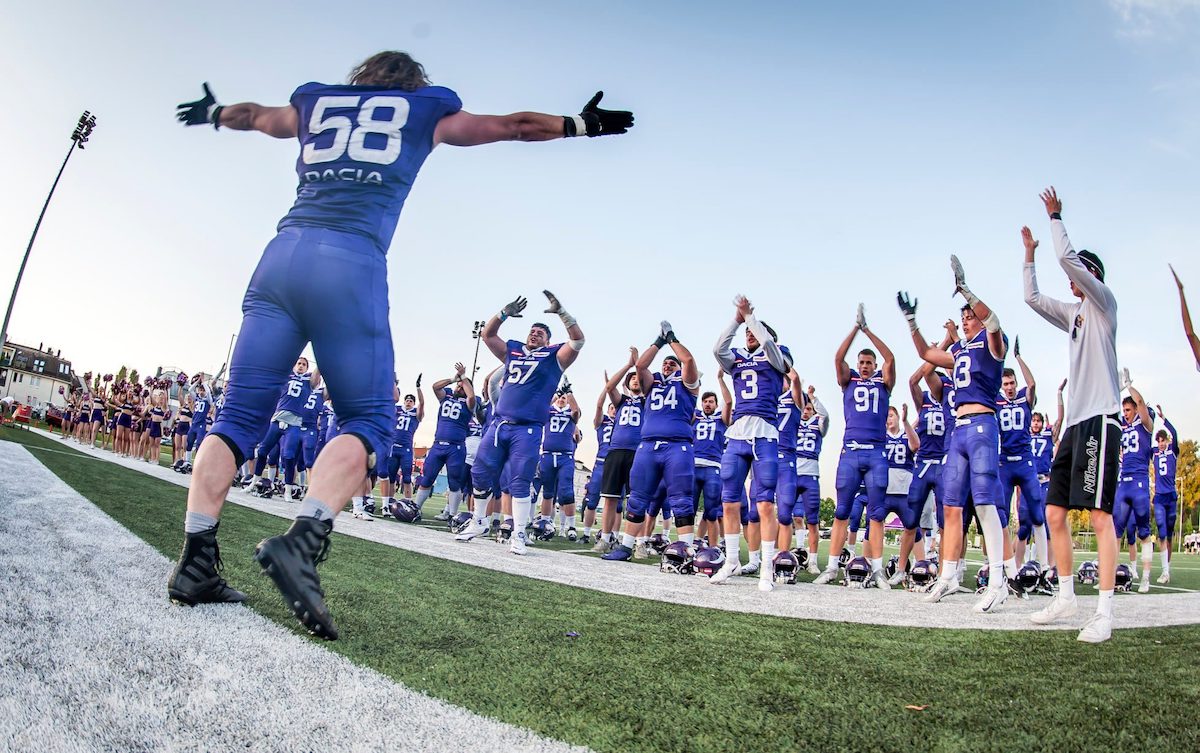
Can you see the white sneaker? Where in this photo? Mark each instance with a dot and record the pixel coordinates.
(1097, 630)
(603, 545)
(766, 582)
(1145, 587)
(517, 543)
(363, 516)
(641, 551)
(475, 529)
(826, 577)
(813, 568)
(1134, 571)
(1060, 608)
(881, 580)
(897, 578)
(750, 568)
(727, 571)
(943, 587)
(442, 516)
(992, 598)
(1164, 579)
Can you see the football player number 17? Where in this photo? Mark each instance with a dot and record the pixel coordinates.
(350, 137)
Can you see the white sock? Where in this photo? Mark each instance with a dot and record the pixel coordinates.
(1066, 586)
(530, 506)
(768, 554)
(628, 540)
(522, 511)
(1147, 555)
(358, 506)
(1010, 567)
(1104, 606)
(993, 537)
(304, 478)
(1166, 560)
(422, 496)
(733, 547)
(453, 501)
(950, 570)
(587, 531)
(480, 508)
(569, 521)
(687, 538)
(756, 557)
(876, 564)
(641, 539)
(1040, 544)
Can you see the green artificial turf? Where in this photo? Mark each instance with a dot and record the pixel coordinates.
(647, 676)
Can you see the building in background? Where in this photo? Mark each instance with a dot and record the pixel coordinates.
(33, 376)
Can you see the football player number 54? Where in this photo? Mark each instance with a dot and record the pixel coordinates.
(350, 137)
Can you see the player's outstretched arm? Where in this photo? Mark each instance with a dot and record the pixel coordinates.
(982, 312)
(840, 367)
(439, 388)
(935, 356)
(420, 400)
(280, 122)
(598, 418)
(575, 339)
(491, 330)
(468, 391)
(885, 353)
(1188, 329)
(914, 441)
(915, 381)
(574, 405)
(1026, 374)
(1143, 410)
(1052, 310)
(687, 362)
(1058, 421)
(467, 129)
(726, 398)
(644, 361)
(614, 383)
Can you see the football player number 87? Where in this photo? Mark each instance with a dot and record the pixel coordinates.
(351, 139)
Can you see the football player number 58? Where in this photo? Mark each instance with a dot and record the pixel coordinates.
(350, 138)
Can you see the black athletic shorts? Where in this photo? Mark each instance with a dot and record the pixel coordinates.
(1084, 475)
(615, 481)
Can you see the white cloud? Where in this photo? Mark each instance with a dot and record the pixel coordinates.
(1145, 19)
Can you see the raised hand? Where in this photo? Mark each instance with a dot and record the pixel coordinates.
(633, 356)
(952, 330)
(860, 317)
(1030, 244)
(1126, 380)
(459, 370)
(667, 332)
(909, 308)
(513, 309)
(1178, 282)
(960, 276)
(1158, 408)
(565, 389)
(419, 379)
(744, 309)
(554, 306)
(1062, 386)
(1017, 347)
(201, 111)
(904, 412)
(599, 122)
(1053, 203)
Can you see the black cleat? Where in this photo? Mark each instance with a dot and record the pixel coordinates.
(291, 561)
(196, 578)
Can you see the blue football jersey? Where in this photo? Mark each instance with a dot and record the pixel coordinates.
(899, 456)
(787, 419)
(1014, 417)
(604, 434)
(708, 436)
(1137, 443)
(1043, 451)
(453, 418)
(756, 384)
(406, 423)
(533, 377)
(313, 406)
(559, 433)
(295, 394)
(667, 415)
(809, 438)
(865, 406)
(931, 428)
(976, 371)
(628, 430)
(360, 150)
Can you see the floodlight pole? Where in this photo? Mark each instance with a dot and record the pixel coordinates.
(83, 130)
(476, 333)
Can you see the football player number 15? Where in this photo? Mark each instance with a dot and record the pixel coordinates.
(350, 137)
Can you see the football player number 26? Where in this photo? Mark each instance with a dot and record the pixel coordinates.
(350, 136)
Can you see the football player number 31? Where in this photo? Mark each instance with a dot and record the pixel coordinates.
(350, 137)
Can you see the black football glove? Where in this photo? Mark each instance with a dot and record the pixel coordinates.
(909, 308)
(204, 110)
(598, 122)
(513, 309)
(1017, 347)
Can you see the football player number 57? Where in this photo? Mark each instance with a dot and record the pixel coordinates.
(350, 137)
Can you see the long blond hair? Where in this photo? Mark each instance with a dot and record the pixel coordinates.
(393, 69)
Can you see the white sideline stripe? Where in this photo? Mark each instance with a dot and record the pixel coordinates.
(803, 600)
(94, 657)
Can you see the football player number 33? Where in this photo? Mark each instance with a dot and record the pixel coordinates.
(350, 136)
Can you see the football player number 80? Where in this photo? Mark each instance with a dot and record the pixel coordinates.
(351, 139)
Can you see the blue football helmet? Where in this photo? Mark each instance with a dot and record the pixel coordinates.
(1028, 577)
(1048, 583)
(658, 543)
(1124, 577)
(858, 573)
(983, 577)
(543, 529)
(893, 565)
(1088, 573)
(786, 567)
(677, 558)
(922, 575)
(845, 557)
(708, 561)
(459, 522)
(404, 510)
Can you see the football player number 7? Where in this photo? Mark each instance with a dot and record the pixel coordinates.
(350, 137)
(519, 373)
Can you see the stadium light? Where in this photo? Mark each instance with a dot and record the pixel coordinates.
(476, 333)
(83, 131)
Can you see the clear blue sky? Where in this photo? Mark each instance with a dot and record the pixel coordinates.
(808, 155)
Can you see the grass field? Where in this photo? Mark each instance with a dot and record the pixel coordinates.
(645, 676)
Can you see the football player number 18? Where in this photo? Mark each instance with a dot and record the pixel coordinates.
(350, 137)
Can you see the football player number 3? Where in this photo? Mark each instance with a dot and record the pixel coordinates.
(350, 136)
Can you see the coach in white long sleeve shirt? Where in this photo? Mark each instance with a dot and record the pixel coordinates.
(1084, 473)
